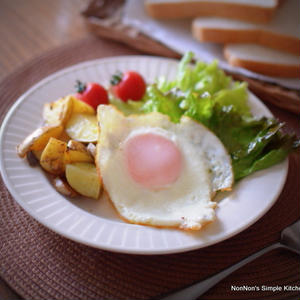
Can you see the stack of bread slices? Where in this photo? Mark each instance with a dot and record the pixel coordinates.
(260, 35)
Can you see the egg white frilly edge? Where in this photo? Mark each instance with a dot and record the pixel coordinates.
(185, 204)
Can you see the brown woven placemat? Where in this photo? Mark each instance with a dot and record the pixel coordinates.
(39, 264)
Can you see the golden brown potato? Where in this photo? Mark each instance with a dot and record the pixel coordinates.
(37, 154)
(52, 159)
(83, 178)
(83, 128)
(58, 112)
(80, 107)
(38, 139)
(63, 187)
(31, 158)
(77, 152)
(64, 137)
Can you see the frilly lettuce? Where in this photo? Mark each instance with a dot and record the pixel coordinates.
(167, 104)
(204, 93)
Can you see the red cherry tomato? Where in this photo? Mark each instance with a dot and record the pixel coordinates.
(128, 86)
(92, 93)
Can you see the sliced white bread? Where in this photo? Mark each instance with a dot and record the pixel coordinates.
(282, 33)
(257, 11)
(263, 60)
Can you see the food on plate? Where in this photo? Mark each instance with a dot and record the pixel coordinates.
(38, 139)
(80, 107)
(160, 173)
(77, 152)
(53, 156)
(63, 187)
(204, 93)
(37, 154)
(83, 178)
(53, 148)
(91, 93)
(162, 150)
(58, 112)
(82, 128)
(64, 137)
(32, 159)
(128, 86)
(91, 148)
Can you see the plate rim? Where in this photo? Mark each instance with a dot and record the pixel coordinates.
(13, 108)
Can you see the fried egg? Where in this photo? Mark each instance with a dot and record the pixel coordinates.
(159, 173)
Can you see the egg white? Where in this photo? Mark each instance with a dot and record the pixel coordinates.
(186, 203)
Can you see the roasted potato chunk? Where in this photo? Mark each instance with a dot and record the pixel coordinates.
(83, 128)
(77, 152)
(38, 139)
(64, 137)
(32, 160)
(80, 107)
(83, 178)
(37, 154)
(58, 112)
(63, 187)
(53, 157)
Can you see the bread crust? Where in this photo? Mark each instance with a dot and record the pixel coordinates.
(189, 9)
(265, 68)
(269, 39)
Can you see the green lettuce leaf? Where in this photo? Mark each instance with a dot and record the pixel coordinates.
(206, 81)
(129, 107)
(168, 104)
(197, 108)
(253, 144)
(202, 78)
(204, 93)
(235, 96)
(285, 145)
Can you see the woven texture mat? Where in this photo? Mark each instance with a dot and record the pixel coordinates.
(39, 264)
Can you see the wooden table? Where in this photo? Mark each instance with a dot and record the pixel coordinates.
(29, 28)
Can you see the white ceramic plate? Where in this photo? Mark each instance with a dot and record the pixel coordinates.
(95, 223)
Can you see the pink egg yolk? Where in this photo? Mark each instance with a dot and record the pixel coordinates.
(153, 160)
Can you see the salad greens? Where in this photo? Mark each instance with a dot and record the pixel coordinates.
(204, 93)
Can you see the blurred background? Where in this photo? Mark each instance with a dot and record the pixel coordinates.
(257, 43)
(29, 28)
